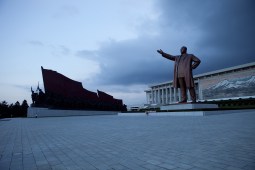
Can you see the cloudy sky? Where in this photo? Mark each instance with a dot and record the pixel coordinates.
(111, 45)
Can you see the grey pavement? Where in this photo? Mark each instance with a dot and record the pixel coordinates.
(119, 142)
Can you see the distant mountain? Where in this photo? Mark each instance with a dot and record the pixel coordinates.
(231, 88)
(236, 84)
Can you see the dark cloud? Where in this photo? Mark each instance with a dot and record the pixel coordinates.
(130, 62)
(220, 33)
(230, 34)
(226, 29)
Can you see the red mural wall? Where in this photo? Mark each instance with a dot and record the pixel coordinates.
(62, 86)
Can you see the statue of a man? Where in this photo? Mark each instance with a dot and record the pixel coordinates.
(183, 76)
(33, 96)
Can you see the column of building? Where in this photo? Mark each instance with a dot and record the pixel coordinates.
(166, 95)
(147, 97)
(188, 95)
(160, 96)
(174, 94)
(200, 94)
(170, 95)
(153, 95)
(156, 95)
(166, 92)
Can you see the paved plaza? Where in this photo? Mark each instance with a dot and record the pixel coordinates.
(129, 142)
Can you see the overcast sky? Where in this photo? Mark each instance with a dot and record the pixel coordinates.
(111, 45)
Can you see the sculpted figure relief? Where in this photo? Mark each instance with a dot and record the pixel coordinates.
(183, 76)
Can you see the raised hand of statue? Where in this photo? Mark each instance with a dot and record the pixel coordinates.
(160, 51)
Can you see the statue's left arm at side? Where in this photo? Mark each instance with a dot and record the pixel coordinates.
(196, 62)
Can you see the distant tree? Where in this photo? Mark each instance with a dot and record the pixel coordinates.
(4, 110)
(15, 109)
(24, 107)
(4, 103)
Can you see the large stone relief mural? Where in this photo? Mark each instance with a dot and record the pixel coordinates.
(229, 86)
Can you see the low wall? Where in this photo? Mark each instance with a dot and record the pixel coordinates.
(45, 112)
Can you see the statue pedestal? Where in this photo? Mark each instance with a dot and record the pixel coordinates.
(188, 106)
(187, 109)
(34, 112)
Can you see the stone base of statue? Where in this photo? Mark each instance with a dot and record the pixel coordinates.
(187, 112)
(188, 106)
(183, 109)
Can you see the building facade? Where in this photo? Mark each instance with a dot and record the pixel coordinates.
(229, 83)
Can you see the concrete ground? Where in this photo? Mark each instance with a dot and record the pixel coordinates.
(129, 142)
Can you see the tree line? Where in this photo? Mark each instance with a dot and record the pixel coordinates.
(13, 110)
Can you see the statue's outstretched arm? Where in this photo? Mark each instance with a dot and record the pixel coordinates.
(165, 55)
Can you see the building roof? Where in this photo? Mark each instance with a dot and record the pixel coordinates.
(220, 71)
(252, 64)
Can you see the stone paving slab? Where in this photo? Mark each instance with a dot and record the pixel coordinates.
(122, 142)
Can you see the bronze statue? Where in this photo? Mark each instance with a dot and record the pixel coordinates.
(183, 76)
(38, 97)
(33, 96)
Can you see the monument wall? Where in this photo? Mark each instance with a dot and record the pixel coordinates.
(62, 92)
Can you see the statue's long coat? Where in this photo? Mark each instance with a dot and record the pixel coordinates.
(190, 62)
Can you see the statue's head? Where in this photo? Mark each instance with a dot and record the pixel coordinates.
(183, 50)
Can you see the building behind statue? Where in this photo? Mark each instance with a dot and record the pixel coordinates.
(230, 83)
